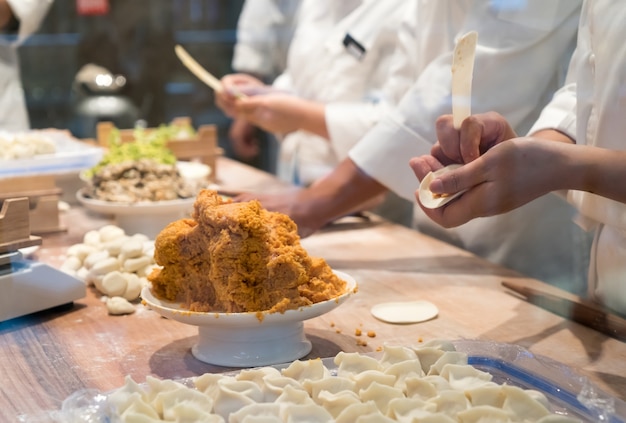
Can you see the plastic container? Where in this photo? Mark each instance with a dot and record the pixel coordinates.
(569, 393)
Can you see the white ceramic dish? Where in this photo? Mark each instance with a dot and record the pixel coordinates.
(71, 155)
(245, 339)
(195, 173)
(148, 217)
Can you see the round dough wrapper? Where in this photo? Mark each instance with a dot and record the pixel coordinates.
(405, 311)
(426, 196)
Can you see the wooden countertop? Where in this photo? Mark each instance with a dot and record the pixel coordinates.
(47, 356)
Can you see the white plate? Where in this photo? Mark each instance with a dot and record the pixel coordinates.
(143, 208)
(147, 217)
(194, 172)
(71, 155)
(244, 339)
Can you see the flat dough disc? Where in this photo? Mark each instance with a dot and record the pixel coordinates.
(405, 311)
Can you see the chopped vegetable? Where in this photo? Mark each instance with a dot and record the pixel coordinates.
(148, 144)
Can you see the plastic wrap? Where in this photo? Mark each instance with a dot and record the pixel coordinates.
(569, 393)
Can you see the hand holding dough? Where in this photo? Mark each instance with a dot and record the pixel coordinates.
(428, 198)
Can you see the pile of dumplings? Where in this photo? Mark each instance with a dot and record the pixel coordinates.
(115, 263)
(428, 383)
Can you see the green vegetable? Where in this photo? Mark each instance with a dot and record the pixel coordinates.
(147, 145)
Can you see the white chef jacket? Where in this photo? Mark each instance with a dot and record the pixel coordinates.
(264, 31)
(13, 111)
(520, 56)
(356, 89)
(591, 108)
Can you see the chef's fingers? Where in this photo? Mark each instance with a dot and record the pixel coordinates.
(470, 137)
(245, 196)
(235, 80)
(448, 139)
(481, 132)
(455, 213)
(437, 152)
(423, 165)
(248, 105)
(462, 178)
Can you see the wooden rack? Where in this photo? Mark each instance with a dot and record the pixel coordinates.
(15, 226)
(203, 147)
(42, 202)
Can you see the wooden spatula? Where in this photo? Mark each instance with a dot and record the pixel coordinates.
(462, 73)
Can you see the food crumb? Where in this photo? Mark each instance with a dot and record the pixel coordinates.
(379, 349)
(357, 332)
(337, 330)
(361, 343)
(371, 334)
(332, 324)
(420, 339)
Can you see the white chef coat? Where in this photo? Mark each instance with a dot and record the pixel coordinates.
(520, 56)
(264, 31)
(591, 108)
(13, 111)
(356, 90)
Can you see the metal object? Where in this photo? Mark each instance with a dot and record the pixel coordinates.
(579, 310)
(28, 286)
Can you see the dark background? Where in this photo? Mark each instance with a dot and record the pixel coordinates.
(136, 39)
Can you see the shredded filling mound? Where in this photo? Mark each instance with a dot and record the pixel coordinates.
(238, 257)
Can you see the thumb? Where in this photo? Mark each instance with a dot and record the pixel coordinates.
(453, 180)
(247, 105)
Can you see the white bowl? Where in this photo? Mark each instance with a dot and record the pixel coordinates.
(150, 217)
(146, 217)
(197, 174)
(244, 339)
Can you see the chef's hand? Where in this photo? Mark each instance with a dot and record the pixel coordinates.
(283, 113)
(233, 86)
(504, 178)
(477, 134)
(243, 138)
(295, 203)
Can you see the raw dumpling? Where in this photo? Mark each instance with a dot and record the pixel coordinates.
(355, 363)
(306, 370)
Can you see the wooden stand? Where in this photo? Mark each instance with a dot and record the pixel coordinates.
(202, 148)
(42, 201)
(15, 226)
